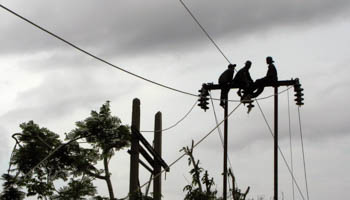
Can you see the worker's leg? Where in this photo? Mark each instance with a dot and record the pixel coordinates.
(224, 95)
(259, 86)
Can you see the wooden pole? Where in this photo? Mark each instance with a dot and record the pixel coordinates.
(224, 196)
(276, 145)
(157, 184)
(134, 158)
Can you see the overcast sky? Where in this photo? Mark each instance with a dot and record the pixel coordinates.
(45, 80)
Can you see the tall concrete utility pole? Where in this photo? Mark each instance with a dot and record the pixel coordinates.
(134, 158)
(157, 184)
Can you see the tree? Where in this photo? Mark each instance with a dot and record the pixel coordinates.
(11, 189)
(106, 135)
(195, 190)
(35, 144)
(42, 158)
(235, 191)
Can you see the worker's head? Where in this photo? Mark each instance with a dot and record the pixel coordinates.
(269, 60)
(231, 66)
(248, 63)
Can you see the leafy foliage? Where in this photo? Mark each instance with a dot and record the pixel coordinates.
(43, 158)
(76, 189)
(195, 190)
(103, 131)
(105, 134)
(11, 189)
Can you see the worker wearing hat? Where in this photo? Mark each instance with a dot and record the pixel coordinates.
(270, 78)
(225, 80)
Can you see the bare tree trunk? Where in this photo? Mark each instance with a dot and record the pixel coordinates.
(108, 180)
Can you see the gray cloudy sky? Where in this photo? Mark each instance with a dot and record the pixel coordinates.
(44, 80)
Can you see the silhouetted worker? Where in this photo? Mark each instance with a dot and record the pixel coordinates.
(243, 80)
(269, 79)
(245, 83)
(225, 80)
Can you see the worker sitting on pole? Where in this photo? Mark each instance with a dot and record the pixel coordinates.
(269, 79)
(225, 80)
(243, 80)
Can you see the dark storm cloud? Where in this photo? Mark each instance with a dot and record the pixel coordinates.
(144, 27)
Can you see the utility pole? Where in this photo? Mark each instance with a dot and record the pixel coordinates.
(275, 148)
(225, 149)
(203, 98)
(157, 183)
(134, 158)
(139, 145)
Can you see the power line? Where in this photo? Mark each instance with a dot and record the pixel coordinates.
(92, 55)
(178, 122)
(119, 68)
(302, 147)
(210, 132)
(290, 144)
(279, 149)
(104, 61)
(205, 32)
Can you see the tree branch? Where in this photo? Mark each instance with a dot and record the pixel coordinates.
(95, 175)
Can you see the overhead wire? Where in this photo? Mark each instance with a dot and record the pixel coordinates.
(177, 123)
(133, 74)
(290, 144)
(210, 38)
(302, 147)
(204, 31)
(103, 60)
(92, 55)
(210, 132)
(280, 151)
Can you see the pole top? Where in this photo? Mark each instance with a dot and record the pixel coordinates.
(159, 114)
(136, 101)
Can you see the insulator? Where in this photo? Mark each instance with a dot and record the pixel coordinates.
(298, 93)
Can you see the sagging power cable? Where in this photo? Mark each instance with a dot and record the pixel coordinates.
(177, 123)
(102, 60)
(92, 55)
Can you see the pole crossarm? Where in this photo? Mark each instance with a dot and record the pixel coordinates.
(157, 157)
(206, 87)
(212, 86)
